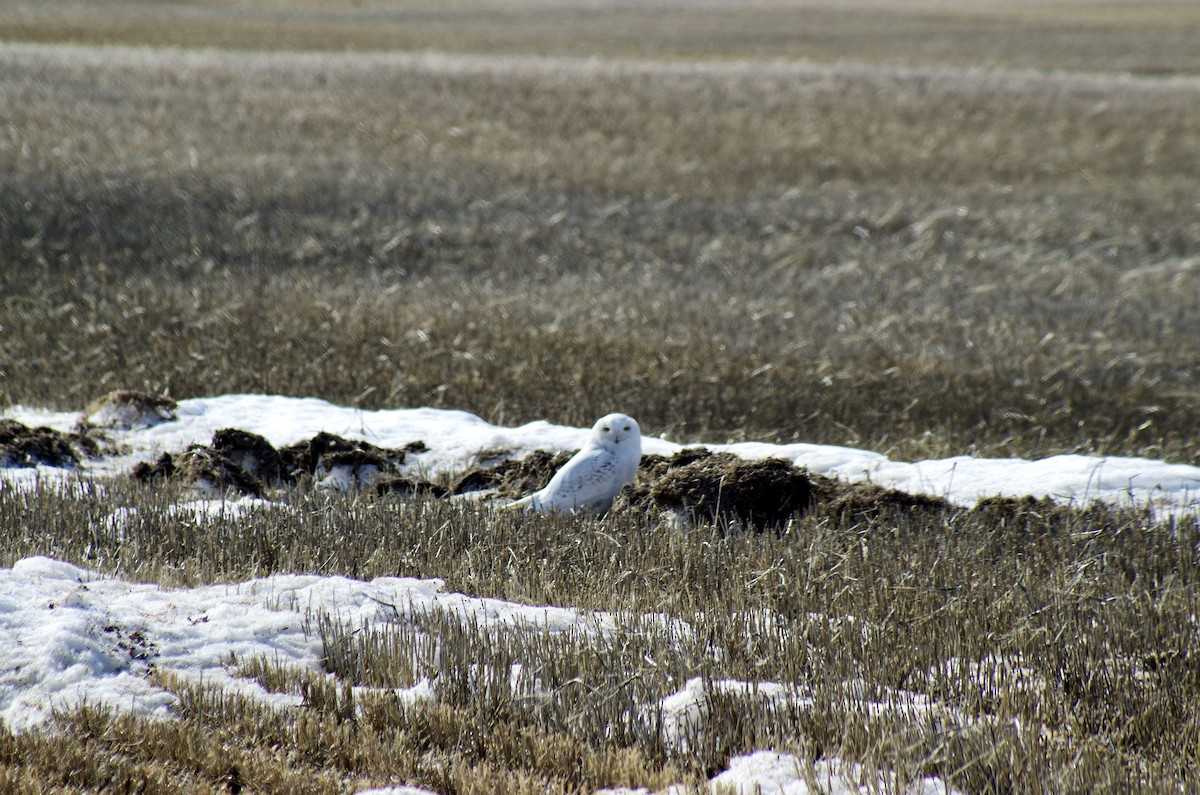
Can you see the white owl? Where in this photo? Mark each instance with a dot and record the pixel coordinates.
(594, 475)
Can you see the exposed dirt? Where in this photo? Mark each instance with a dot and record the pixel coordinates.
(126, 409)
(208, 472)
(851, 502)
(407, 487)
(22, 446)
(695, 482)
(202, 469)
(1005, 511)
(705, 485)
(511, 478)
(253, 454)
(162, 469)
(241, 462)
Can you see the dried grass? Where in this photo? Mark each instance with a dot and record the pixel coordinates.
(1153, 37)
(765, 252)
(919, 259)
(1050, 636)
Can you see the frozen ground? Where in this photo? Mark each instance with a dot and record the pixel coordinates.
(454, 438)
(69, 635)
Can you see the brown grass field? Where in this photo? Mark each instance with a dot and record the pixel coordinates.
(925, 228)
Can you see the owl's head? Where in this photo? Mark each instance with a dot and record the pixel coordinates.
(616, 429)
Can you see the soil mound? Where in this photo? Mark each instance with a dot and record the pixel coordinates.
(340, 464)
(695, 482)
(253, 454)
(128, 409)
(22, 446)
(512, 478)
(162, 469)
(245, 463)
(208, 472)
(203, 470)
(1007, 510)
(706, 486)
(407, 487)
(856, 502)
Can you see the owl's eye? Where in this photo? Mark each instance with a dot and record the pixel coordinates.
(626, 427)
(605, 429)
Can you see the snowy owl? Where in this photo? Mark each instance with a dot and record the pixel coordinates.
(590, 480)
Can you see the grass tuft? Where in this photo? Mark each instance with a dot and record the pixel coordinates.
(1016, 642)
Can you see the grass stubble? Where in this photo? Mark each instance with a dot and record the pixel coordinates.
(820, 256)
(919, 259)
(1055, 641)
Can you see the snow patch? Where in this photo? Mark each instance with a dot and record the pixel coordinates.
(454, 439)
(771, 773)
(68, 635)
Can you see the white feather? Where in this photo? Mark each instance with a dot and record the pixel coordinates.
(594, 475)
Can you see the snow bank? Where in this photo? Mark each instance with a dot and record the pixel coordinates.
(68, 635)
(455, 438)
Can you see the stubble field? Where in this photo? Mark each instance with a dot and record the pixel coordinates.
(921, 231)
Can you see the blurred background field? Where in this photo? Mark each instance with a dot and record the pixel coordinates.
(1154, 37)
(719, 225)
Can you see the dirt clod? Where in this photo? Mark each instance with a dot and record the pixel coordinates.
(127, 409)
(252, 453)
(162, 469)
(241, 462)
(707, 485)
(695, 482)
(407, 487)
(208, 472)
(702, 485)
(22, 446)
(852, 502)
(1005, 510)
(323, 452)
(513, 478)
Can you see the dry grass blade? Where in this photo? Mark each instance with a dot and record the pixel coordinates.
(908, 639)
(871, 246)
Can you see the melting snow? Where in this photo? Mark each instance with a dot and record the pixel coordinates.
(770, 773)
(454, 438)
(69, 635)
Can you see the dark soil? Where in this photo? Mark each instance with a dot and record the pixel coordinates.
(707, 486)
(512, 478)
(860, 502)
(22, 446)
(253, 454)
(206, 470)
(203, 469)
(695, 482)
(161, 469)
(245, 463)
(407, 487)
